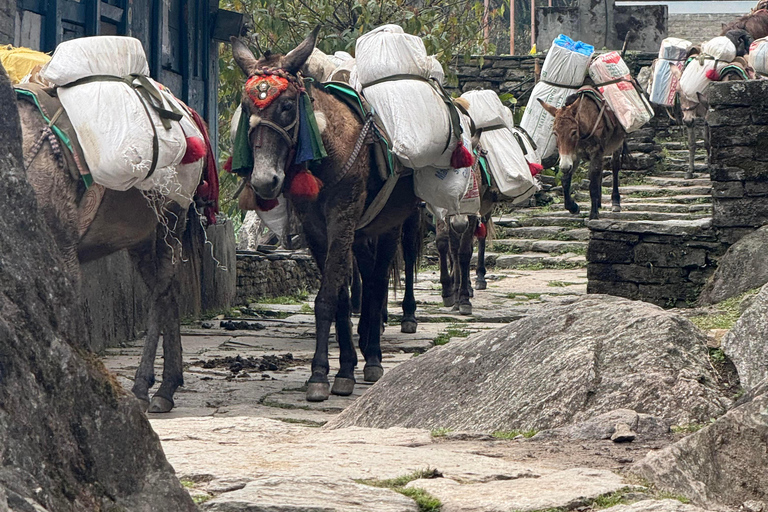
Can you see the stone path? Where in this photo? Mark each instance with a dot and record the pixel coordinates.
(242, 437)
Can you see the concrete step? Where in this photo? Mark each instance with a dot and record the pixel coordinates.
(521, 245)
(543, 233)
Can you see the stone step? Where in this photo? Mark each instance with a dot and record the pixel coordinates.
(655, 191)
(681, 174)
(543, 233)
(521, 245)
(569, 221)
(561, 217)
(671, 164)
(649, 207)
(534, 259)
(680, 145)
(668, 181)
(583, 197)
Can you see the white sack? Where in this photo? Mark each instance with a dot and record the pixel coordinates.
(562, 66)
(436, 70)
(631, 108)
(387, 51)
(343, 73)
(319, 65)
(508, 165)
(116, 135)
(527, 146)
(664, 85)
(416, 119)
(721, 48)
(276, 219)
(508, 117)
(98, 55)
(758, 55)
(694, 79)
(485, 108)
(470, 203)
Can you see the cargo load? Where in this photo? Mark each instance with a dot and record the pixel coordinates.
(664, 84)
(612, 78)
(720, 48)
(508, 165)
(758, 56)
(19, 62)
(697, 75)
(393, 71)
(486, 109)
(563, 72)
(132, 130)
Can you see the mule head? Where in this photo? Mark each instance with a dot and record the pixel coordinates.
(271, 101)
(741, 39)
(566, 130)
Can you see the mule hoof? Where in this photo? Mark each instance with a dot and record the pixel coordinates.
(372, 373)
(455, 307)
(408, 327)
(616, 208)
(160, 404)
(343, 386)
(574, 209)
(480, 285)
(318, 391)
(449, 301)
(143, 404)
(465, 309)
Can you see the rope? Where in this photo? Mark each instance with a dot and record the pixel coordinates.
(45, 134)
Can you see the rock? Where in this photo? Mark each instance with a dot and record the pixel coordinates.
(71, 439)
(568, 488)
(623, 434)
(603, 426)
(559, 366)
(753, 506)
(668, 505)
(309, 494)
(745, 344)
(741, 268)
(722, 465)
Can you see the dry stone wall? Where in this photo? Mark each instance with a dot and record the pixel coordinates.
(273, 275)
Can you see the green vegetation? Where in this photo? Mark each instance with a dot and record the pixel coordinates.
(664, 495)
(452, 331)
(441, 432)
(425, 501)
(529, 296)
(689, 428)
(295, 299)
(729, 312)
(199, 500)
(187, 484)
(562, 284)
(717, 355)
(506, 248)
(306, 309)
(308, 423)
(511, 434)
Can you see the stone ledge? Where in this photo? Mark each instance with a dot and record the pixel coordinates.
(664, 227)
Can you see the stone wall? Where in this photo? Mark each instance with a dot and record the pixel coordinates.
(275, 274)
(665, 263)
(738, 124)
(7, 22)
(699, 27)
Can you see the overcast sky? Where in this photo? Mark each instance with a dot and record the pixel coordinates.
(736, 7)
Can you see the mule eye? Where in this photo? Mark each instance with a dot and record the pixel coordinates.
(288, 105)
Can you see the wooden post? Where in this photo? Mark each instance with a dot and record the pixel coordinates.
(533, 23)
(486, 28)
(511, 27)
(93, 18)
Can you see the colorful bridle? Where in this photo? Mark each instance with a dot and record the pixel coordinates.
(263, 87)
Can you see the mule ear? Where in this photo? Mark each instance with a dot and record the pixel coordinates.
(676, 73)
(549, 108)
(295, 59)
(243, 56)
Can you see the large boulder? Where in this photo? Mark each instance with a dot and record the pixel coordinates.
(743, 267)
(569, 362)
(70, 438)
(723, 465)
(747, 343)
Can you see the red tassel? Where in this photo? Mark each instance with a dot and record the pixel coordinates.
(228, 165)
(713, 75)
(195, 150)
(203, 190)
(535, 168)
(461, 157)
(481, 231)
(266, 204)
(305, 186)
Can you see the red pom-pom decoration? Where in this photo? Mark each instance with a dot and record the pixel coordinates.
(195, 150)
(305, 186)
(535, 168)
(228, 165)
(266, 204)
(713, 75)
(481, 231)
(461, 157)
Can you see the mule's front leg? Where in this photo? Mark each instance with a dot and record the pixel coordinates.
(442, 240)
(595, 184)
(173, 366)
(411, 239)
(691, 127)
(465, 257)
(480, 282)
(344, 382)
(566, 175)
(615, 168)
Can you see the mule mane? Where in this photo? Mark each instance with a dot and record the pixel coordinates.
(755, 23)
(570, 100)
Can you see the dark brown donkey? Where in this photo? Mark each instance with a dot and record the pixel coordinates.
(329, 221)
(587, 128)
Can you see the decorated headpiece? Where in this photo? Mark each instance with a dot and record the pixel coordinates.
(264, 89)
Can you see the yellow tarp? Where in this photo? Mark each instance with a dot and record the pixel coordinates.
(19, 62)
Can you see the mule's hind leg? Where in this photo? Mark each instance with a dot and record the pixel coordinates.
(465, 257)
(442, 240)
(344, 382)
(357, 291)
(691, 127)
(615, 168)
(595, 184)
(410, 241)
(480, 282)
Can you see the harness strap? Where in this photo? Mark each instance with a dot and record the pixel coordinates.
(631, 81)
(564, 86)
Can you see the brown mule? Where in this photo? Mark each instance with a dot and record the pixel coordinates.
(329, 221)
(587, 128)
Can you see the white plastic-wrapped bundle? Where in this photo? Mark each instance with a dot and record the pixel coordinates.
(508, 165)
(758, 55)
(695, 80)
(485, 108)
(116, 136)
(436, 69)
(526, 145)
(276, 219)
(470, 203)
(340, 58)
(319, 65)
(508, 117)
(566, 65)
(412, 111)
(444, 188)
(630, 107)
(664, 85)
(343, 72)
(98, 55)
(721, 48)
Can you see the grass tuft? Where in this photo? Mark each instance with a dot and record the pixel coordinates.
(441, 432)
(729, 312)
(295, 299)
(452, 331)
(425, 501)
(511, 434)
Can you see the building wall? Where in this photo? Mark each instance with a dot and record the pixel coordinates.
(698, 28)
(7, 18)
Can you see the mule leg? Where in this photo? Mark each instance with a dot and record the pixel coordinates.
(442, 240)
(595, 184)
(357, 291)
(410, 241)
(570, 204)
(615, 168)
(691, 127)
(480, 282)
(465, 257)
(454, 238)
(344, 382)
(173, 364)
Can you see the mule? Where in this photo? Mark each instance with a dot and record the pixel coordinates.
(123, 220)
(587, 128)
(330, 219)
(756, 23)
